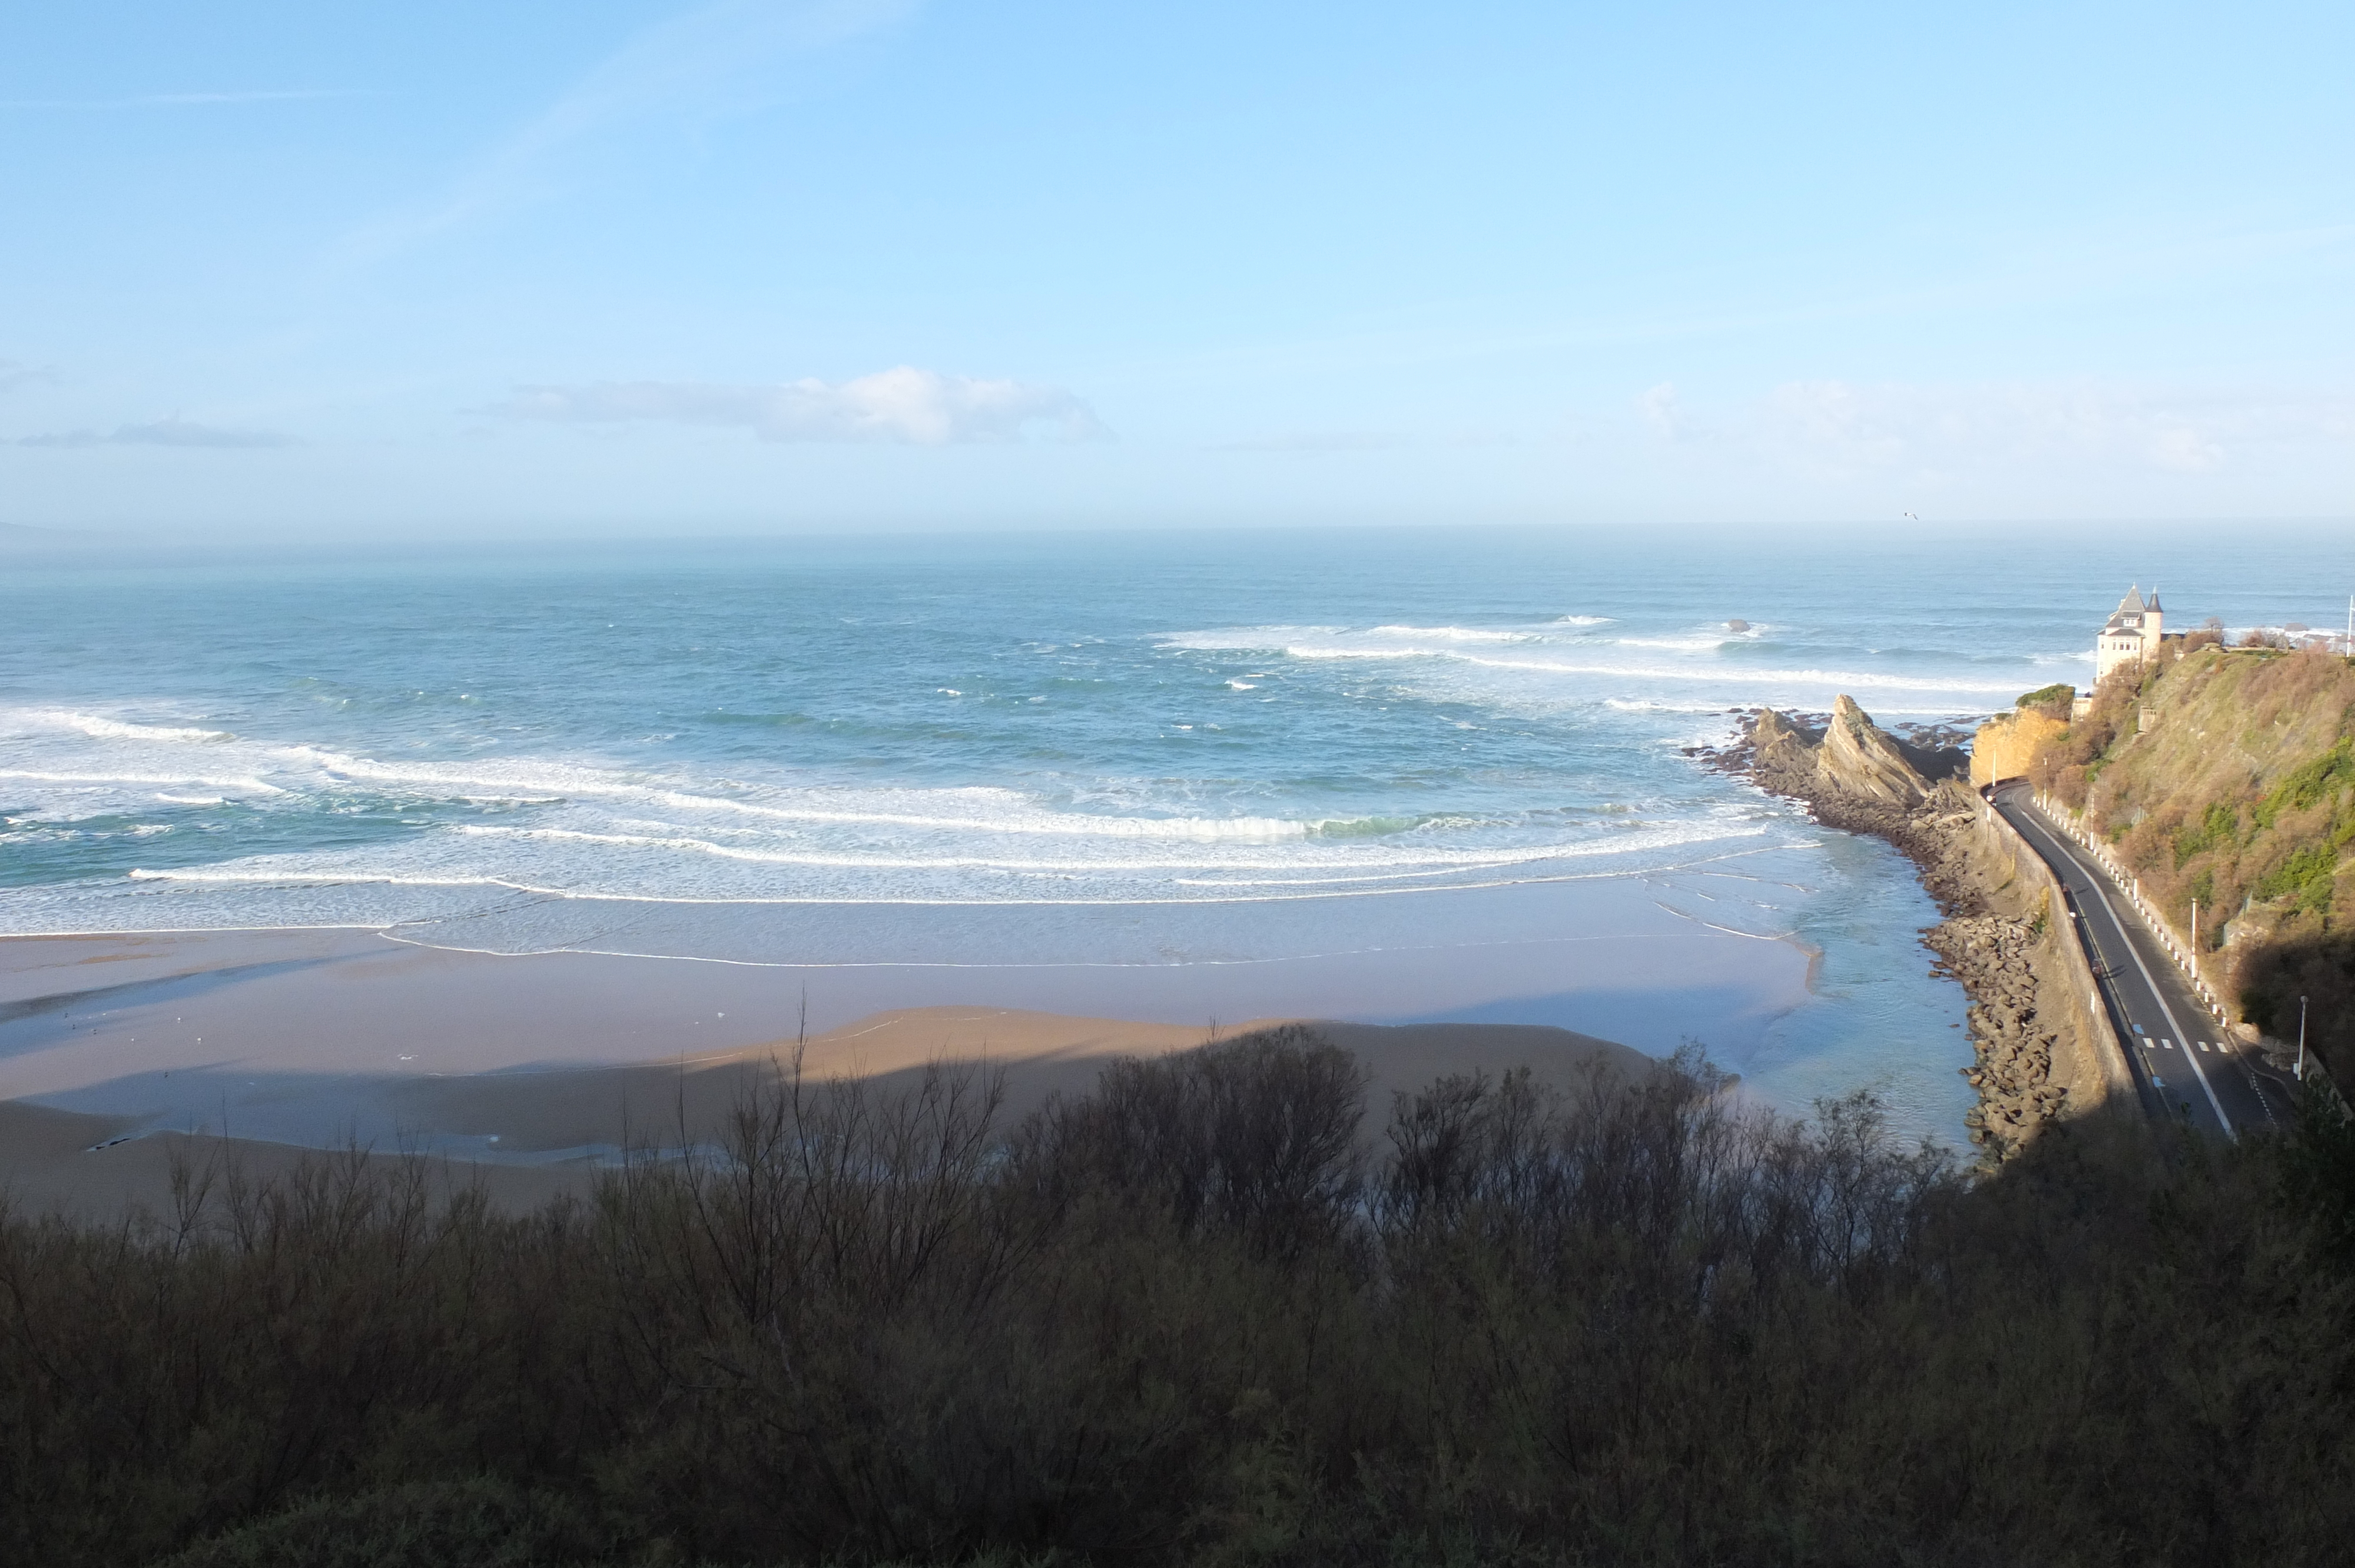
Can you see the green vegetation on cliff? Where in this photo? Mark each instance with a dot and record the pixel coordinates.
(2228, 779)
(1207, 1315)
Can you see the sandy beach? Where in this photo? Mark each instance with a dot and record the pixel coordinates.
(119, 1054)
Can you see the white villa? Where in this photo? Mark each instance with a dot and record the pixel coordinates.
(2131, 635)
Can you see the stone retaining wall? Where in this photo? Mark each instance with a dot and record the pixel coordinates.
(2070, 967)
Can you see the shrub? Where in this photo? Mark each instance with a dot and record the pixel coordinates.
(474, 1523)
(1196, 1316)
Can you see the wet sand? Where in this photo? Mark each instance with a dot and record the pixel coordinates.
(280, 1039)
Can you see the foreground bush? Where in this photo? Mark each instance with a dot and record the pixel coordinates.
(1209, 1315)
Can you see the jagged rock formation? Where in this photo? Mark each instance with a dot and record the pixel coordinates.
(1782, 755)
(1851, 760)
(1855, 776)
(1858, 757)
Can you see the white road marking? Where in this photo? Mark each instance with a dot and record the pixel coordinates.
(2086, 930)
(2168, 1043)
(2151, 981)
(2201, 1043)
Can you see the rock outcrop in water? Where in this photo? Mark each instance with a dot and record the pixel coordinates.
(1859, 758)
(1849, 761)
(1857, 776)
(2029, 1067)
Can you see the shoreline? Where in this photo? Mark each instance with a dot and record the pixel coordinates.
(2032, 1065)
(316, 1035)
(1607, 956)
(278, 1038)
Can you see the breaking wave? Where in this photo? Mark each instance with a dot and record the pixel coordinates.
(1052, 748)
(99, 727)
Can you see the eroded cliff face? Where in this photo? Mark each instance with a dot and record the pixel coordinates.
(2008, 746)
(2031, 1065)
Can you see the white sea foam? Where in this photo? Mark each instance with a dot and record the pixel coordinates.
(228, 876)
(1485, 754)
(592, 828)
(1698, 642)
(1801, 679)
(873, 885)
(844, 860)
(1655, 705)
(100, 727)
(1457, 646)
(967, 808)
(1244, 639)
(341, 881)
(253, 786)
(1453, 633)
(1357, 858)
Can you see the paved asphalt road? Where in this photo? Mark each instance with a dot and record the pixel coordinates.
(2185, 1066)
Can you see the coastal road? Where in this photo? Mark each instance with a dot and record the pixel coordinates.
(2186, 1066)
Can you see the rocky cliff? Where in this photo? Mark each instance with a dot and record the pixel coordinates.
(2008, 746)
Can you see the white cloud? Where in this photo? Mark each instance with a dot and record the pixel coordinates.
(907, 406)
(163, 433)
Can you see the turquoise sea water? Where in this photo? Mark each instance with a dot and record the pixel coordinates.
(1135, 752)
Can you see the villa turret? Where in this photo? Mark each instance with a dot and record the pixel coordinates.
(2131, 635)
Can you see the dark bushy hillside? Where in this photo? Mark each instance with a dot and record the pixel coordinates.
(1213, 1314)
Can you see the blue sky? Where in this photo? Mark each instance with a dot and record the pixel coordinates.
(616, 268)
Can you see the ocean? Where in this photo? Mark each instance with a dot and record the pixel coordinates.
(1436, 773)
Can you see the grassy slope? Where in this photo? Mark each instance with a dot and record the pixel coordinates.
(2239, 793)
